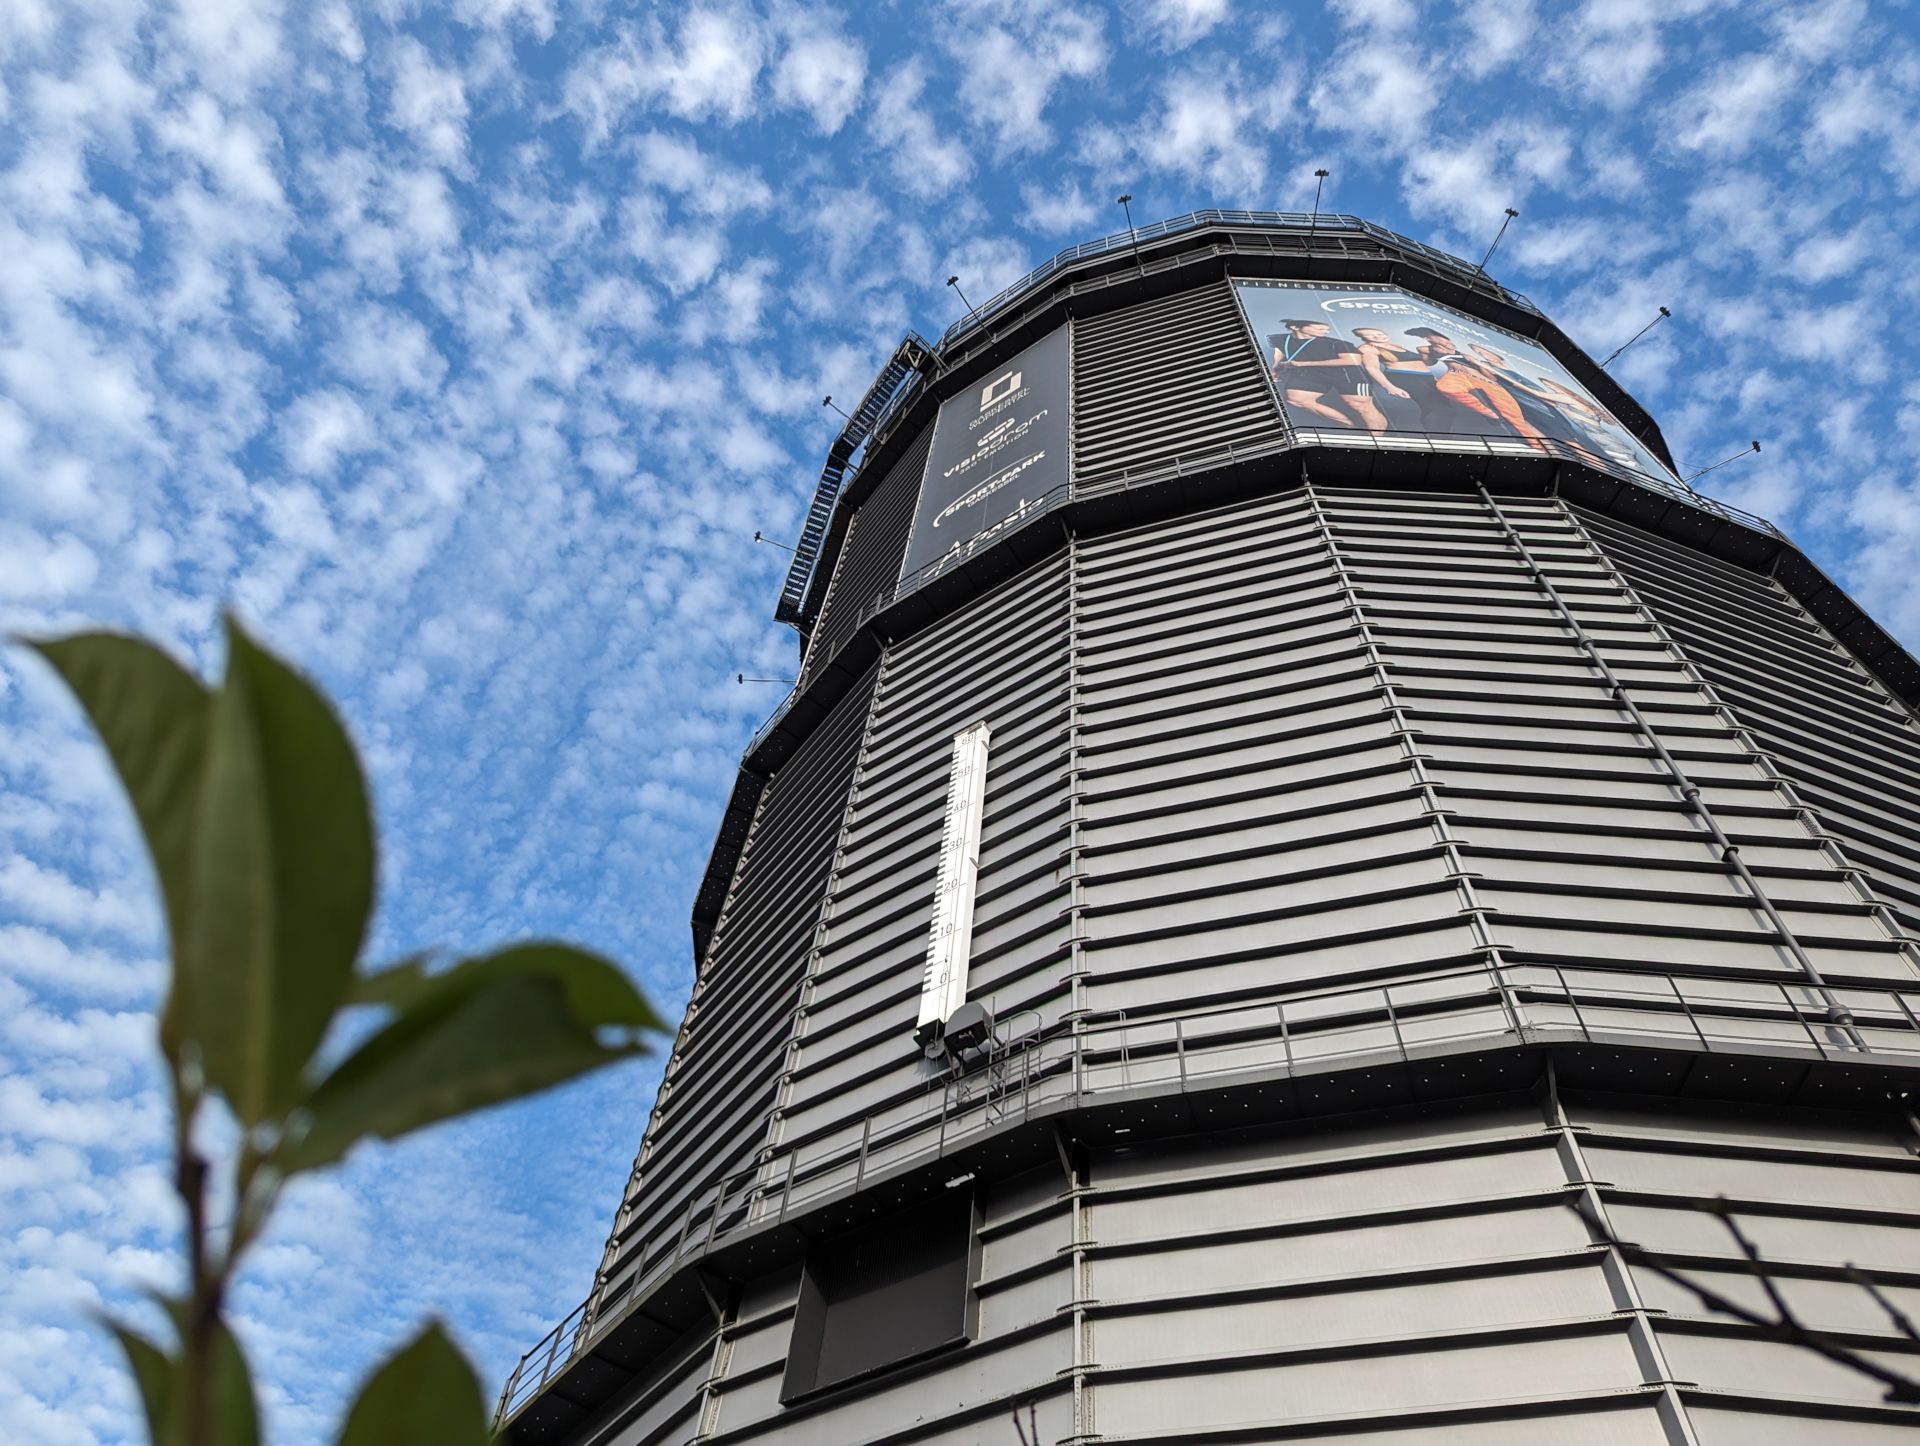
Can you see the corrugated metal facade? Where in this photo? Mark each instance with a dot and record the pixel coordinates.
(1368, 875)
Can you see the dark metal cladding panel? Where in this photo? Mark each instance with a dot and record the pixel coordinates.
(1851, 750)
(711, 1113)
(1173, 380)
(869, 562)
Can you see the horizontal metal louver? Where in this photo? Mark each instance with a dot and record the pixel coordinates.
(1849, 749)
(1172, 380)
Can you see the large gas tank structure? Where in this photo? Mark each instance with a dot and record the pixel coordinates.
(1304, 874)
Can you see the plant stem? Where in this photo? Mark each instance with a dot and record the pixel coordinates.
(206, 1283)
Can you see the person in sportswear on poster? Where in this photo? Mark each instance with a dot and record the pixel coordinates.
(1398, 374)
(1539, 408)
(1468, 383)
(1310, 364)
(1562, 413)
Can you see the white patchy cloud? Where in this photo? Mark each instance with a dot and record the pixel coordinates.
(927, 158)
(1216, 127)
(1176, 24)
(1012, 61)
(429, 103)
(820, 70)
(1062, 211)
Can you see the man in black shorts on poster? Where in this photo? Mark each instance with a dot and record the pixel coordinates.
(1310, 365)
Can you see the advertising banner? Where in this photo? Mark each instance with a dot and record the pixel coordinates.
(999, 456)
(1379, 360)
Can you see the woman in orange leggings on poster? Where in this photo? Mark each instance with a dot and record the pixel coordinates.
(1469, 385)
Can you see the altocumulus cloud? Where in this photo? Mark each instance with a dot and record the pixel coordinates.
(464, 352)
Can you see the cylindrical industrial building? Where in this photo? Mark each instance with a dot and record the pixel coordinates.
(1300, 857)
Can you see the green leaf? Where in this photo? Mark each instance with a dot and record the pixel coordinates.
(426, 1393)
(487, 1030)
(396, 985)
(156, 1374)
(152, 715)
(282, 882)
(255, 813)
(235, 1418)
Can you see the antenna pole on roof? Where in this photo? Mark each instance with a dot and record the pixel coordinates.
(1125, 203)
(827, 401)
(1743, 452)
(954, 282)
(759, 536)
(1664, 314)
(1313, 223)
(1512, 216)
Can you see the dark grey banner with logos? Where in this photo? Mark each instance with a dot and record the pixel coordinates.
(999, 456)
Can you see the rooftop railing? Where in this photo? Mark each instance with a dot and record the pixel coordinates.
(1330, 223)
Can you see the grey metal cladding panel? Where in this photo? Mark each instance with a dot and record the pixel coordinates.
(1872, 1132)
(1208, 1206)
(1005, 660)
(1728, 1423)
(1114, 948)
(1231, 526)
(1284, 798)
(1681, 954)
(1508, 806)
(1204, 1262)
(1892, 1244)
(1599, 1422)
(1116, 854)
(1297, 604)
(974, 1378)
(1133, 561)
(1818, 930)
(1827, 1305)
(1171, 377)
(870, 557)
(1226, 1324)
(1144, 582)
(1424, 1375)
(1204, 890)
(1139, 977)
(1174, 730)
(1200, 1161)
(1750, 1366)
(1633, 870)
(1869, 1184)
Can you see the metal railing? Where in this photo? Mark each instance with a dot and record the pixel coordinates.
(1328, 223)
(1077, 1061)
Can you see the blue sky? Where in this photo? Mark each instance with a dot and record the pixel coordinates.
(463, 349)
